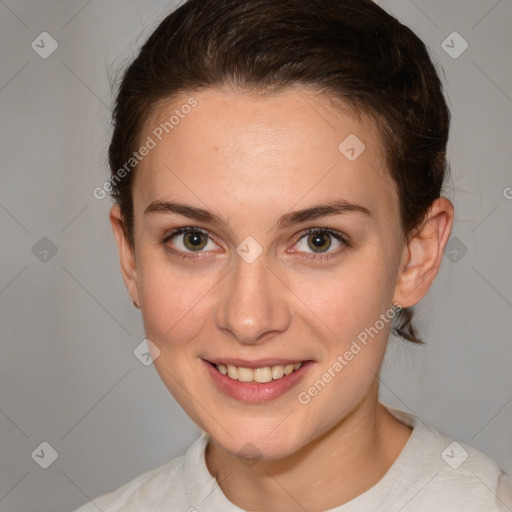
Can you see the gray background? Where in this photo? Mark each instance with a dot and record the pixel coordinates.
(68, 329)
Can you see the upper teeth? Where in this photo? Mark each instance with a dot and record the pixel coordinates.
(264, 374)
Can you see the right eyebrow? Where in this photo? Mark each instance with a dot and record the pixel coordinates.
(192, 212)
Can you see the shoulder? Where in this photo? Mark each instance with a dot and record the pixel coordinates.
(453, 475)
(150, 490)
(466, 478)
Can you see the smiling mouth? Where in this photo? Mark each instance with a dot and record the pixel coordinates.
(261, 375)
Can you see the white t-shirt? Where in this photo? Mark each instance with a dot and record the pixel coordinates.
(431, 474)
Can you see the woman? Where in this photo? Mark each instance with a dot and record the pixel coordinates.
(277, 171)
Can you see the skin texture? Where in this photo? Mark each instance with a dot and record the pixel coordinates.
(251, 159)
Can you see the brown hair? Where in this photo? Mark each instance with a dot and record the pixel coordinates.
(350, 50)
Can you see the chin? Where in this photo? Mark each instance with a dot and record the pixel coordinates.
(252, 444)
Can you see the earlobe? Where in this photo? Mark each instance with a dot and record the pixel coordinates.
(423, 254)
(126, 254)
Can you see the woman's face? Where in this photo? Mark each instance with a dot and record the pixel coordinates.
(248, 285)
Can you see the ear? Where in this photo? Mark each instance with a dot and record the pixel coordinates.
(126, 254)
(423, 254)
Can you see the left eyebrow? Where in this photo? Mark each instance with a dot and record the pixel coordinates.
(333, 208)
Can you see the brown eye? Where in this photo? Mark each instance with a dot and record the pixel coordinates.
(189, 239)
(323, 242)
(319, 242)
(195, 240)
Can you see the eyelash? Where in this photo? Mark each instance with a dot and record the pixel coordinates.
(320, 257)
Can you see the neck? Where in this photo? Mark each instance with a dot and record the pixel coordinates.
(339, 465)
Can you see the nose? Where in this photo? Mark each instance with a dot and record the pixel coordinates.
(254, 305)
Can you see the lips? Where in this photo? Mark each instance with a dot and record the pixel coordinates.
(256, 381)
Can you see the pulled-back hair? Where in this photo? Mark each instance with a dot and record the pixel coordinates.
(351, 50)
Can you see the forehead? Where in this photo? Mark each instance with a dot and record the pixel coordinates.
(266, 152)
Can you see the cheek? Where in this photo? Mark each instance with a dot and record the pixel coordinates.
(173, 303)
(347, 312)
(349, 299)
